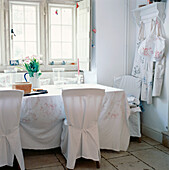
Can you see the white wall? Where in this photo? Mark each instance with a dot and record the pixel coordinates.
(131, 38)
(155, 117)
(110, 40)
(115, 39)
(166, 26)
(112, 57)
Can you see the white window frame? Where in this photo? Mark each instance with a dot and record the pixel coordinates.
(1, 31)
(35, 4)
(44, 35)
(2, 35)
(74, 58)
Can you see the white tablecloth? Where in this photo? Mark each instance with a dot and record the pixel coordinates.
(42, 117)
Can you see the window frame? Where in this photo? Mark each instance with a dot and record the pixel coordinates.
(1, 32)
(48, 41)
(2, 35)
(44, 35)
(34, 4)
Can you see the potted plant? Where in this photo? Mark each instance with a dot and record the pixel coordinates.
(32, 66)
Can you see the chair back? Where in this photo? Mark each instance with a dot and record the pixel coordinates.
(82, 106)
(131, 85)
(10, 107)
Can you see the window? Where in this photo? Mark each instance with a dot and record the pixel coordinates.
(53, 31)
(0, 29)
(24, 26)
(61, 32)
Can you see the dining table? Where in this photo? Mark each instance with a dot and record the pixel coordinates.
(42, 118)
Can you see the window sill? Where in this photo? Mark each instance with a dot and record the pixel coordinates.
(43, 68)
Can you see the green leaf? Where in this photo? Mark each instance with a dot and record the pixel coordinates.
(33, 67)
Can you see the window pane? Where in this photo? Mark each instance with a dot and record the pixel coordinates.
(30, 14)
(30, 32)
(67, 33)
(61, 32)
(55, 33)
(55, 50)
(55, 18)
(67, 50)
(24, 21)
(19, 32)
(17, 13)
(66, 16)
(18, 50)
(30, 49)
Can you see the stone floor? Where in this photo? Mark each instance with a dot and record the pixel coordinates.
(146, 155)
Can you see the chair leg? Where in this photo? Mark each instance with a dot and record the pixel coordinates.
(139, 140)
(16, 164)
(97, 164)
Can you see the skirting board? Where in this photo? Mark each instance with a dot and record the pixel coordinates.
(157, 136)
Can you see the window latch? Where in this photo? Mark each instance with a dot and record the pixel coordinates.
(12, 34)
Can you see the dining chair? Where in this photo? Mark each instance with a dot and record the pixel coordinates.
(132, 87)
(80, 137)
(10, 144)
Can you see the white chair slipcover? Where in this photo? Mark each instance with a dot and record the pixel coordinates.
(10, 145)
(41, 121)
(132, 87)
(80, 137)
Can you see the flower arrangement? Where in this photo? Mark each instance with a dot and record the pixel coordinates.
(32, 66)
